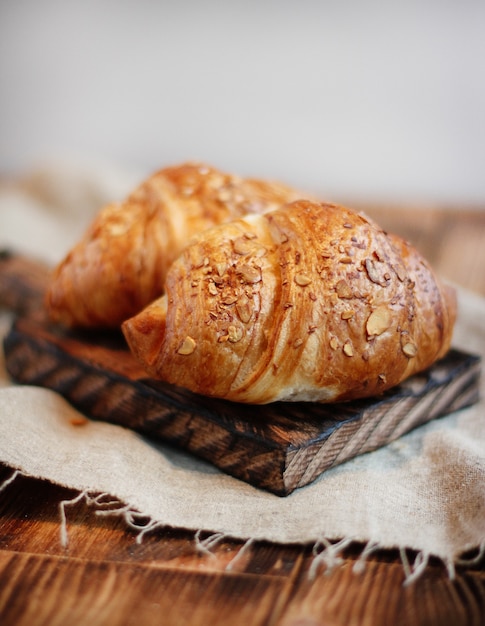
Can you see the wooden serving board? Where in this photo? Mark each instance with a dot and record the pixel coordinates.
(277, 447)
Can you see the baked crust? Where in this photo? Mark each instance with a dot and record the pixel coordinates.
(121, 262)
(310, 302)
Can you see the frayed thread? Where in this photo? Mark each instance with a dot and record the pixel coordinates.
(108, 506)
(204, 546)
(414, 570)
(327, 554)
(361, 562)
(474, 560)
(62, 514)
(240, 554)
(136, 521)
(10, 479)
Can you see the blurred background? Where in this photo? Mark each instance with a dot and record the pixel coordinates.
(375, 100)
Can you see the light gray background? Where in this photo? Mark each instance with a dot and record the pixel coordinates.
(381, 100)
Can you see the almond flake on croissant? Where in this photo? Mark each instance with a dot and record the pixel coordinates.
(311, 302)
(120, 264)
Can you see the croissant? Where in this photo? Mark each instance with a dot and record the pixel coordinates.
(120, 264)
(311, 302)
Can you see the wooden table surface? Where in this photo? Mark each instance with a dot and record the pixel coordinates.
(104, 577)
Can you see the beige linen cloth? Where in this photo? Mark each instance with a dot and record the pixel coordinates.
(425, 492)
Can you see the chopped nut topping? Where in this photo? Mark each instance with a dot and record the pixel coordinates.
(212, 289)
(297, 343)
(250, 235)
(229, 299)
(400, 272)
(249, 273)
(374, 273)
(343, 290)
(234, 334)
(188, 346)
(382, 378)
(198, 260)
(410, 349)
(242, 246)
(346, 259)
(379, 321)
(260, 251)
(277, 235)
(220, 268)
(348, 350)
(346, 315)
(348, 225)
(244, 310)
(302, 279)
(333, 343)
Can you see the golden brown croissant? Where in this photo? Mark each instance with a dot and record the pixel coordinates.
(120, 264)
(309, 302)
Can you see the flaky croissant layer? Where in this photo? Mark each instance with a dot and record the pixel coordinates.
(120, 264)
(310, 302)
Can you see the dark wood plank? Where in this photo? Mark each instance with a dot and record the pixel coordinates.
(41, 589)
(377, 596)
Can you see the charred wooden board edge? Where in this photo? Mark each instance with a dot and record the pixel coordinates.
(264, 446)
(450, 385)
